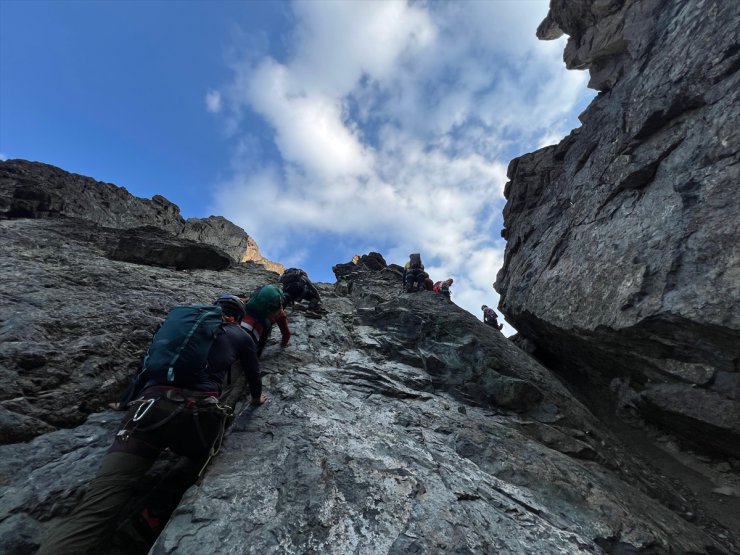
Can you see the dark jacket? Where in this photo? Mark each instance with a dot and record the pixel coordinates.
(490, 318)
(231, 346)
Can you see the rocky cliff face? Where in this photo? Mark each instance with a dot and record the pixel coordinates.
(395, 424)
(622, 263)
(35, 190)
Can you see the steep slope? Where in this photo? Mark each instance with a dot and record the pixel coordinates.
(622, 262)
(397, 423)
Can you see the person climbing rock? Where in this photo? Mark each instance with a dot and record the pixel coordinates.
(297, 287)
(414, 274)
(443, 287)
(264, 307)
(179, 410)
(490, 318)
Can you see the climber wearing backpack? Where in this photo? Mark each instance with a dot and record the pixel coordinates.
(490, 318)
(188, 362)
(297, 287)
(443, 287)
(264, 307)
(414, 274)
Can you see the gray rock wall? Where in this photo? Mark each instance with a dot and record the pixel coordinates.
(76, 318)
(395, 424)
(623, 261)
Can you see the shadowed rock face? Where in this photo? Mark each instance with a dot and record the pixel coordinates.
(395, 424)
(622, 262)
(154, 247)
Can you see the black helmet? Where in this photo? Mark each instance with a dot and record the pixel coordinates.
(231, 305)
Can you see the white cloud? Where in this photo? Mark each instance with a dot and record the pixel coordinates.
(549, 139)
(394, 123)
(3, 157)
(309, 129)
(213, 101)
(337, 42)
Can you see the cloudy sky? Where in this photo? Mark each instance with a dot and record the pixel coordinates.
(323, 128)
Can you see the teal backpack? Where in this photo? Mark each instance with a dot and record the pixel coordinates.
(178, 354)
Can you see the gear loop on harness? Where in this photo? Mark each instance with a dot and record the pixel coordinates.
(180, 401)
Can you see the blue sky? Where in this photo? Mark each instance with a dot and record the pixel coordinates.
(325, 129)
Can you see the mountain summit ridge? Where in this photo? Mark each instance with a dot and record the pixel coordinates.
(38, 190)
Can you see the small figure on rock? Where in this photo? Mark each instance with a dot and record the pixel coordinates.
(414, 275)
(179, 409)
(490, 318)
(443, 287)
(264, 307)
(297, 287)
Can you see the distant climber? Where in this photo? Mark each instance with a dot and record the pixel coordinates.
(297, 287)
(264, 307)
(179, 410)
(443, 287)
(414, 274)
(490, 318)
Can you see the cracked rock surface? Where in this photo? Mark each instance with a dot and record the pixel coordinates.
(384, 433)
(622, 263)
(396, 423)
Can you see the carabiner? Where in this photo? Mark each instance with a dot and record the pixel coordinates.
(139, 414)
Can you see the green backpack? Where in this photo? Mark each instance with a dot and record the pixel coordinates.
(264, 302)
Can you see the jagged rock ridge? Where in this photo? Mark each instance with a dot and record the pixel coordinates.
(35, 190)
(622, 262)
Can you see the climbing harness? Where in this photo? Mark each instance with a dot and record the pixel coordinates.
(195, 402)
(254, 329)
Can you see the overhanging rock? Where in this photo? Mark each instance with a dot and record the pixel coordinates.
(623, 261)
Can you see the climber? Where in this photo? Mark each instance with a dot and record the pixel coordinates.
(490, 318)
(414, 274)
(189, 422)
(443, 287)
(297, 287)
(264, 307)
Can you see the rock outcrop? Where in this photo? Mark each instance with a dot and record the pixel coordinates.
(35, 190)
(622, 263)
(395, 424)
